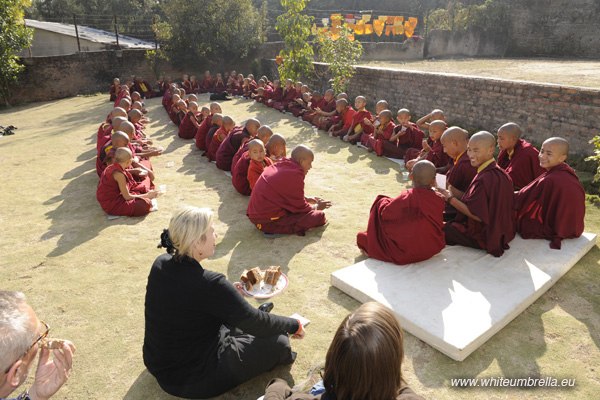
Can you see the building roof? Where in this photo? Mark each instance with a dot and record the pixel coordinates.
(91, 34)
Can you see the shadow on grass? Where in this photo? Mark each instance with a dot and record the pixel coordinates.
(146, 387)
(78, 218)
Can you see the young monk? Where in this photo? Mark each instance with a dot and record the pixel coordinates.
(316, 101)
(106, 154)
(276, 148)
(241, 162)
(379, 141)
(346, 116)
(358, 126)
(216, 123)
(235, 139)
(408, 136)
(106, 128)
(301, 104)
(181, 112)
(114, 89)
(435, 115)
(207, 84)
(395, 223)
(326, 113)
(174, 109)
(219, 86)
(552, 207)
(227, 125)
(277, 96)
(118, 193)
(190, 124)
(486, 219)
(135, 117)
(277, 203)
(289, 95)
(455, 141)
(185, 83)
(202, 131)
(258, 161)
(517, 156)
(194, 85)
(433, 149)
(379, 107)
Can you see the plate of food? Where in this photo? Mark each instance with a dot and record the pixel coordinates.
(262, 284)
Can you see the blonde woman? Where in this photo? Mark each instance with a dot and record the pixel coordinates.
(202, 338)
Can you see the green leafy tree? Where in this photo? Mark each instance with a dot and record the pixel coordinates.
(156, 58)
(14, 37)
(296, 58)
(340, 52)
(596, 157)
(196, 32)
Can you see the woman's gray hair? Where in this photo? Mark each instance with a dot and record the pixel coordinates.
(187, 227)
(16, 334)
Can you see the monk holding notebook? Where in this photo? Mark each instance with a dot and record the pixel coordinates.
(552, 207)
(395, 223)
(277, 203)
(486, 219)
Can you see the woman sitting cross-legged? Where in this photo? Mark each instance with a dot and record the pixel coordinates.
(202, 338)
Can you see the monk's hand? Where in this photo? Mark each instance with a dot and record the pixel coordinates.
(322, 204)
(152, 194)
(444, 192)
(368, 121)
(426, 146)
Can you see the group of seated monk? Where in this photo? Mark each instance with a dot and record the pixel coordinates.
(126, 186)
(535, 194)
(133, 84)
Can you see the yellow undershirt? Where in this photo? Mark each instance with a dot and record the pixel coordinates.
(458, 158)
(510, 153)
(485, 164)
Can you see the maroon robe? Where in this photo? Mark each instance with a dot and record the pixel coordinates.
(460, 176)
(379, 141)
(552, 207)
(187, 86)
(276, 98)
(524, 165)
(187, 128)
(200, 136)
(411, 143)
(277, 203)
(239, 174)
(358, 119)
(105, 131)
(438, 157)
(219, 87)
(230, 145)
(206, 86)
(238, 154)
(490, 198)
(395, 223)
(110, 198)
(289, 96)
(311, 112)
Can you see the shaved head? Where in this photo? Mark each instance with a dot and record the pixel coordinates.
(255, 143)
(217, 118)
(228, 122)
(511, 129)
(484, 138)
(122, 155)
(342, 96)
(264, 133)
(301, 153)
(135, 115)
(117, 121)
(276, 139)
(125, 103)
(386, 114)
(118, 112)
(127, 127)
(456, 134)
(423, 174)
(560, 145)
(215, 108)
(120, 139)
(403, 111)
(252, 125)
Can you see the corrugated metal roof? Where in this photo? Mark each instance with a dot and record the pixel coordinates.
(91, 34)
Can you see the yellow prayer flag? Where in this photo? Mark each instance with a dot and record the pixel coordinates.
(389, 29)
(378, 26)
(359, 28)
(366, 18)
(398, 30)
(413, 22)
(408, 29)
(368, 29)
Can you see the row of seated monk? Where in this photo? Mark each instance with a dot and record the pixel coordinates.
(124, 150)
(536, 194)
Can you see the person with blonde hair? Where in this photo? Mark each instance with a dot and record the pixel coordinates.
(202, 338)
(364, 361)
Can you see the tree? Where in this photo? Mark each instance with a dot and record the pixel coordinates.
(297, 56)
(195, 32)
(340, 52)
(14, 37)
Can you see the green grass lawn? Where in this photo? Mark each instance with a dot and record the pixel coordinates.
(86, 276)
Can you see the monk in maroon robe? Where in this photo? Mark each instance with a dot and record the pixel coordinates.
(517, 157)
(114, 89)
(316, 101)
(455, 141)
(346, 113)
(200, 136)
(118, 193)
(380, 141)
(278, 204)
(189, 125)
(486, 219)
(289, 95)
(232, 143)
(408, 135)
(207, 84)
(552, 207)
(395, 223)
(263, 133)
(227, 125)
(358, 125)
(277, 95)
(433, 149)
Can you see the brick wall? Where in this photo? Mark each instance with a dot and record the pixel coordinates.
(482, 103)
(49, 78)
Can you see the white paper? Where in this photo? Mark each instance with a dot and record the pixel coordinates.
(440, 181)
(303, 321)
